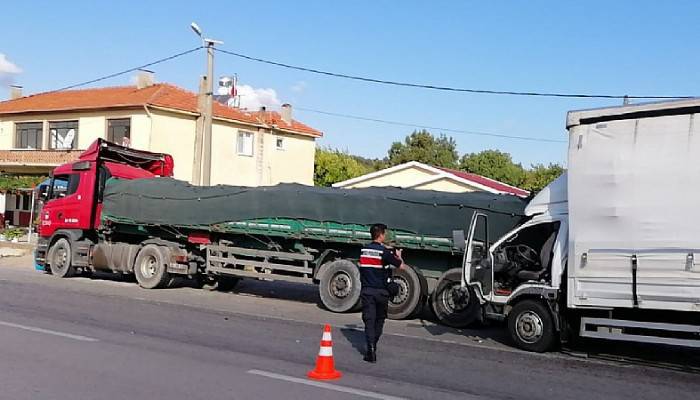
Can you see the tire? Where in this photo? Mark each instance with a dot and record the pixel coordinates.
(339, 286)
(411, 294)
(531, 326)
(60, 259)
(150, 268)
(452, 305)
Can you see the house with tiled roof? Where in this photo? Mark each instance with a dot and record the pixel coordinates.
(249, 148)
(416, 175)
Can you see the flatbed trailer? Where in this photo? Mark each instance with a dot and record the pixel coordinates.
(156, 227)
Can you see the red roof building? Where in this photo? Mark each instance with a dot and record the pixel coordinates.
(487, 182)
(416, 175)
(249, 148)
(161, 95)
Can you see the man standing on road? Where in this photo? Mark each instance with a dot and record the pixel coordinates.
(375, 264)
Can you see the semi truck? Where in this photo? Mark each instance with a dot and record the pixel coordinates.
(118, 209)
(608, 249)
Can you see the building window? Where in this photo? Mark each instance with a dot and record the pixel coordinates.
(22, 202)
(63, 134)
(280, 143)
(119, 131)
(29, 135)
(245, 143)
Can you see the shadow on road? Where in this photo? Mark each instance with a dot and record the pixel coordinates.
(658, 356)
(356, 336)
(640, 354)
(305, 293)
(308, 293)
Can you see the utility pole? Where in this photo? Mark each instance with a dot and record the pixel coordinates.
(202, 169)
(199, 133)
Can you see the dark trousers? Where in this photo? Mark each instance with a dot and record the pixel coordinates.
(374, 308)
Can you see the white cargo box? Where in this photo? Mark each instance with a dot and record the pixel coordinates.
(634, 206)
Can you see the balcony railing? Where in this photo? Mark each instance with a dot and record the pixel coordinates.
(38, 157)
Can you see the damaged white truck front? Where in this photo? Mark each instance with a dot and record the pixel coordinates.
(610, 248)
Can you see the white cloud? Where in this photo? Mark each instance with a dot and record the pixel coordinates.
(299, 87)
(252, 98)
(7, 66)
(7, 70)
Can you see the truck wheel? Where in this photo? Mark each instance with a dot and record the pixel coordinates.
(150, 268)
(531, 327)
(339, 285)
(410, 296)
(454, 306)
(60, 259)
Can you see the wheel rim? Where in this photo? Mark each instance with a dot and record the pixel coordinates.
(529, 327)
(453, 299)
(404, 290)
(60, 258)
(341, 285)
(148, 267)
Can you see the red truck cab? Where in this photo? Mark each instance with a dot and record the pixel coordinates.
(73, 202)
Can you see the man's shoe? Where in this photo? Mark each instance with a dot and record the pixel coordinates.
(371, 354)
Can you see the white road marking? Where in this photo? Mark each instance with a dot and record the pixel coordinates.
(49, 332)
(337, 388)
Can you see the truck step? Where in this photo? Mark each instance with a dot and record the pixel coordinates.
(642, 332)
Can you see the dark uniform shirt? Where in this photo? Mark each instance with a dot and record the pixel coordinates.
(375, 262)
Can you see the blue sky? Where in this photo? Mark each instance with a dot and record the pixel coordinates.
(622, 47)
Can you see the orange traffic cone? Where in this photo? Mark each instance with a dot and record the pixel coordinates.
(325, 366)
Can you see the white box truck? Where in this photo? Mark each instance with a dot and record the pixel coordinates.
(609, 250)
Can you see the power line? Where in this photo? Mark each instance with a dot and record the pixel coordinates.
(102, 78)
(447, 88)
(466, 132)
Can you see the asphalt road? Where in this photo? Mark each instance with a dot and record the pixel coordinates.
(94, 339)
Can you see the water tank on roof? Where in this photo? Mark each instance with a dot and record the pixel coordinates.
(226, 84)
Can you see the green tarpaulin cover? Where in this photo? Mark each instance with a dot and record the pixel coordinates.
(165, 201)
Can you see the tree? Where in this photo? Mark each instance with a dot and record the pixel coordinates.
(423, 147)
(373, 164)
(15, 182)
(331, 166)
(495, 165)
(539, 176)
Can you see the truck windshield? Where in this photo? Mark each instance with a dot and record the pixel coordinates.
(64, 185)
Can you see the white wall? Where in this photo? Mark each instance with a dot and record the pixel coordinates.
(293, 163)
(173, 133)
(229, 167)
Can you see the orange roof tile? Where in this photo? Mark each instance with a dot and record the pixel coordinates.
(275, 118)
(158, 95)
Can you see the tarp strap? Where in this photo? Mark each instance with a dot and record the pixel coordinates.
(635, 300)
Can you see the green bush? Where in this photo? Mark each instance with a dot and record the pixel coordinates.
(15, 182)
(12, 233)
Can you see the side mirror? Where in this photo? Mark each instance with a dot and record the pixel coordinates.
(44, 192)
(458, 240)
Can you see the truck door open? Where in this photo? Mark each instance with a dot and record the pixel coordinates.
(476, 266)
(524, 255)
